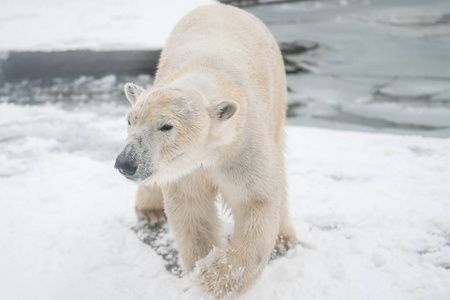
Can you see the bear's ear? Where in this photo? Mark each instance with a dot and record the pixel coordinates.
(132, 92)
(224, 110)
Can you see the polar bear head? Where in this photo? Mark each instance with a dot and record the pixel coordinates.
(172, 131)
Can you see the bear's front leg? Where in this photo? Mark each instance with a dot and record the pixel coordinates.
(192, 216)
(150, 205)
(230, 271)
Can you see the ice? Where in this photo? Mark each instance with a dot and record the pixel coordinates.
(402, 105)
(415, 88)
(433, 117)
(378, 64)
(442, 96)
(355, 43)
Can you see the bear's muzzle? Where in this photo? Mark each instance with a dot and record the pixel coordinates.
(126, 165)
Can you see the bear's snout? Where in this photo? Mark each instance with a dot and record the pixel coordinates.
(126, 165)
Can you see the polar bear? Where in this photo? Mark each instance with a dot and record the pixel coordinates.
(213, 124)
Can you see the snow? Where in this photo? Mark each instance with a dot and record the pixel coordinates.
(96, 25)
(371, 212)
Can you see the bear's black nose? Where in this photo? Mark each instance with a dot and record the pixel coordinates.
(125, 164)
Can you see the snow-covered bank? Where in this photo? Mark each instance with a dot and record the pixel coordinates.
(371, 211)
(53, 25)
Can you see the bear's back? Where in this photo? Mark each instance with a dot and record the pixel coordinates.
(236, 43)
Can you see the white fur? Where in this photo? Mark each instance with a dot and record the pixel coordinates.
(221, 83)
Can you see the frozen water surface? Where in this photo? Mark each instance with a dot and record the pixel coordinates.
(379, 64)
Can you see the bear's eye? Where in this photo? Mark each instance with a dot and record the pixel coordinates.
(166, 127)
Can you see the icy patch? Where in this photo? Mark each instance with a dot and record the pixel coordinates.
(417, 106)
(432, 117)
(416, 88)
(368, 51)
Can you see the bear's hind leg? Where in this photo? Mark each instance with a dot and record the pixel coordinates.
(286, 236)
(150, 205)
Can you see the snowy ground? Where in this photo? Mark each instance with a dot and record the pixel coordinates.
(371, 210)
(97, 25)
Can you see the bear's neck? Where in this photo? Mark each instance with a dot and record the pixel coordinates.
(211, 84)
(195, 81)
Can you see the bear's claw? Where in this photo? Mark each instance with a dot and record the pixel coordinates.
(151, 217)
